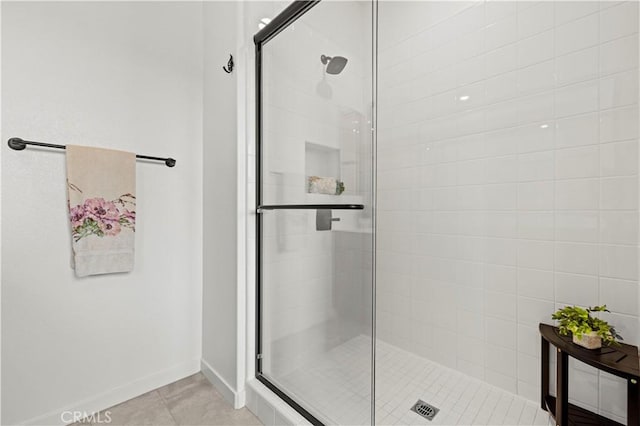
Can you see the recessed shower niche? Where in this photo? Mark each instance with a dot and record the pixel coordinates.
(322, 169)
(343, 158)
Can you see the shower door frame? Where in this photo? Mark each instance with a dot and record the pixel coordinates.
(279, 23)
(287, 17)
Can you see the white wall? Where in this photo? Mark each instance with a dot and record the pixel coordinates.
(221, 302)
(116, 75)
(508, 182)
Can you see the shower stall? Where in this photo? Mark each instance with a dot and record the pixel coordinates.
(433, 180)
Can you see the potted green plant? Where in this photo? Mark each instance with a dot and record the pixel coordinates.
(588, 331)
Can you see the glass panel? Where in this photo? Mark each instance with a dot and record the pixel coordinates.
(316, 283)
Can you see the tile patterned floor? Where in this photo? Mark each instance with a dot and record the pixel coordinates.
(341, 382)
(190, 401)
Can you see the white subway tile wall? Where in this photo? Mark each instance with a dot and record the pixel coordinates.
(507, 182)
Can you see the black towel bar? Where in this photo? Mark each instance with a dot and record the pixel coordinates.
(20, 144)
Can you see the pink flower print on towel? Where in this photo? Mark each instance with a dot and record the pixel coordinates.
(109, 227)
(77, 215)
(102, 218)
(128, 219)
(101, 210)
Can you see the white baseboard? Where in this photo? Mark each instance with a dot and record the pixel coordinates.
(233, 397)
(120, 394)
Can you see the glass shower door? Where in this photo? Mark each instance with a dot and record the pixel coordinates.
(315, 216)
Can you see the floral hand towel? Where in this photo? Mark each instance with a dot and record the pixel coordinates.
(101, 187)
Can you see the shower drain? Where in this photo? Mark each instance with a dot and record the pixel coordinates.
(425, 410)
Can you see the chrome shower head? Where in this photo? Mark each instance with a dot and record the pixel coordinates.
(335, 64)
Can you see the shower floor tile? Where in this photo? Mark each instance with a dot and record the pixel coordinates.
(338, 383)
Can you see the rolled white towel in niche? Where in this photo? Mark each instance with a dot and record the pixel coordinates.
(324, 185)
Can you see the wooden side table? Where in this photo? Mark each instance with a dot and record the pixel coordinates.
(621, 361)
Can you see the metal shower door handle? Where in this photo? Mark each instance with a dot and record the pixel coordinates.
(324, 212)
(263, 207)
(325, 219)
